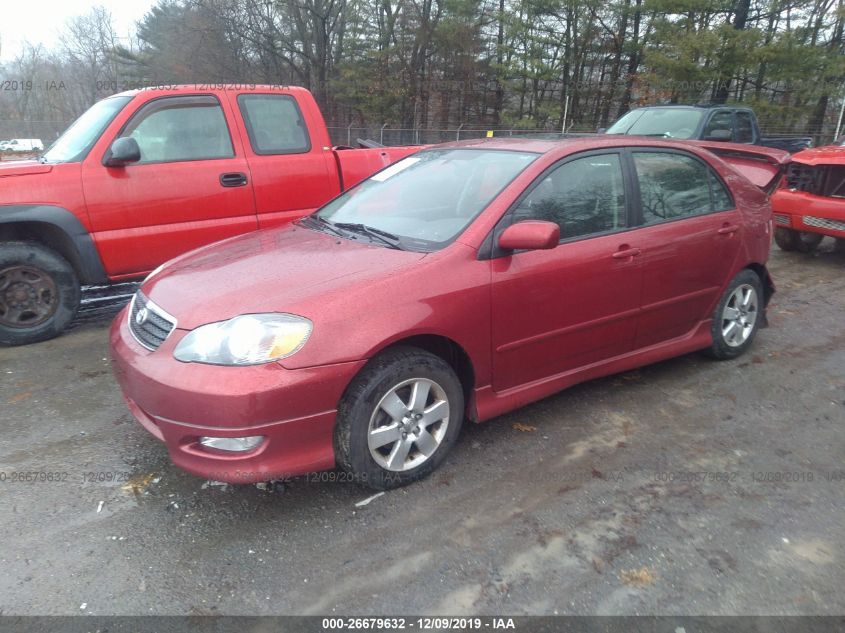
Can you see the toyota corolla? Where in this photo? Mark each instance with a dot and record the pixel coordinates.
(456, 285)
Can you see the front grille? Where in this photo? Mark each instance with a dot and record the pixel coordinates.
(820, 180)
(781, 219)
(824, 223)
(149, 324)
(803, 177)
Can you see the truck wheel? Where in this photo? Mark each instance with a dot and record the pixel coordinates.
(398, 419)
(800, 241)
(840, 246)
(737, 317)
(39, 293)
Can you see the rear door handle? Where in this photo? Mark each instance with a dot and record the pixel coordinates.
(626, 253)
(728, 230)
(233, 179)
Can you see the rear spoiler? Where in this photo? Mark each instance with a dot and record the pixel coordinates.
(763, 166)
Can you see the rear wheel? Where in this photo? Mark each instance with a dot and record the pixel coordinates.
(39, 293)
(840, 246)
(399, 418)
(737, 317)
(800, 241)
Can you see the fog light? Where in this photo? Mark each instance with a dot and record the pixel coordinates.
(233, 444)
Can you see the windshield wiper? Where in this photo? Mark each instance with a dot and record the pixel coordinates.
(384, 237)
(321, 223)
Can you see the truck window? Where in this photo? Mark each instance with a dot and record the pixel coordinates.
(669, 122)
(744, 128)
(181, 128)
(274, 124)
(720, 120)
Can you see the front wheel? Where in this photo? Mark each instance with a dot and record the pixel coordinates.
(800, 241)
(39, 293)
(737, 317)
(399, 418)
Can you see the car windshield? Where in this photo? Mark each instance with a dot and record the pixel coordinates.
(80, 137)
(670, 122)
(424, 201)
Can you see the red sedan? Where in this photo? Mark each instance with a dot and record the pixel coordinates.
(460, 283)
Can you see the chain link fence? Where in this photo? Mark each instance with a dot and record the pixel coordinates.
(385, 133)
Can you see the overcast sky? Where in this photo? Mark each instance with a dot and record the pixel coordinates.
(43, 20)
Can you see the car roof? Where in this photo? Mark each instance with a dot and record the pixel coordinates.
(569, 145)
(693, 106)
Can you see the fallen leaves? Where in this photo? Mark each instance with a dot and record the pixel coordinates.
(26, 395)
(524, 428)
(641, 577)
(139, 483)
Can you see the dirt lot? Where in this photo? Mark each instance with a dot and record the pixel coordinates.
(688, 487)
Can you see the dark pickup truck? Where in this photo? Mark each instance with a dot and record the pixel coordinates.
(703, 123)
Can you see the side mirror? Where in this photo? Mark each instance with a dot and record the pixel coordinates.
(530, 235)
(124, 150)
(719, 135)
(601, 130)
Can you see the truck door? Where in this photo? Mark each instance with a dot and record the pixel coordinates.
(293, 174)
(190, 188)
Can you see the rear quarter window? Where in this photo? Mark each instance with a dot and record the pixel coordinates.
(274, 124)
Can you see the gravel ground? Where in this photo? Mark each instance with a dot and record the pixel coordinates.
(687, 487)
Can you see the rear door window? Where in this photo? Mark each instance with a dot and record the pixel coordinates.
(274, 124)
(673, 186)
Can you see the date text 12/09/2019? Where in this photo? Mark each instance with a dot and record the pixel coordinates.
(422, 624)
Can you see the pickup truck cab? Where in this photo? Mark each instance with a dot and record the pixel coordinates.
(705, 123)
(146, 175)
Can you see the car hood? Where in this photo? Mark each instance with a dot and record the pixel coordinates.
(828, 155)
(23, 168)
(290, 269)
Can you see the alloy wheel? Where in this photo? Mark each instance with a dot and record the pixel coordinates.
(408, 424)
(739, 317)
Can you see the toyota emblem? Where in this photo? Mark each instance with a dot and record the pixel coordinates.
(141, 316)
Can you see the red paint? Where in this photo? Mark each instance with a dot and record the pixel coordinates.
(793, 206)
(531, 322)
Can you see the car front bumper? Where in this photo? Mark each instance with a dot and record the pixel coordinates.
(178, 403)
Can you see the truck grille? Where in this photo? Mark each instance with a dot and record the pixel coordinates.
(821, 180)
(824, 223)
(149, 324)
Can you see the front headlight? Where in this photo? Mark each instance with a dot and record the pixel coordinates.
(249, 339)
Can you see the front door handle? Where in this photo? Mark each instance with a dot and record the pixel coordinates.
(728, 229)
(626, 253)
(233, 179)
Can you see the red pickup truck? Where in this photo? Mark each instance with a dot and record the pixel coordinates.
(149, 174)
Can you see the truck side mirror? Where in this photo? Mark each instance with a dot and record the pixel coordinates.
(123, 151)
(719, 135)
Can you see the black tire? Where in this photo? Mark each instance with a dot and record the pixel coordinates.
(839, 247)
(39, 293)
(361, 402)
(799, 241)
(722, 348)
